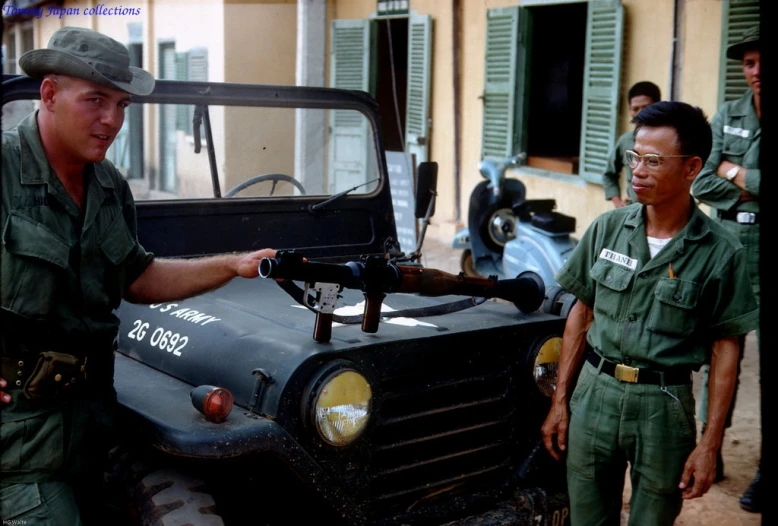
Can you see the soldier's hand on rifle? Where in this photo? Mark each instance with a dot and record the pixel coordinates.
(5, 398)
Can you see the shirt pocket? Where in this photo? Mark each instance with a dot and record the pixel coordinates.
(116, 244)
(734, 145)
(612, 281)
(674, 309)
(36, 260)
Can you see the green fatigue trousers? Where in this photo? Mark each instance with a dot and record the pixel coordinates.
(613, 423)
(52, 458)
(749, 237)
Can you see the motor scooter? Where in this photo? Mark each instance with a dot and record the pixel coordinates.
(507, 233)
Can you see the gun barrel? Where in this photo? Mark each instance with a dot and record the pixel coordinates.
(310, 271)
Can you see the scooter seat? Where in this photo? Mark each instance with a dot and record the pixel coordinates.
(553, 222)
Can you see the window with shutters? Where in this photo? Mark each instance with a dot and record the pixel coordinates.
(737, 16)
(390, 58)
(557, 103)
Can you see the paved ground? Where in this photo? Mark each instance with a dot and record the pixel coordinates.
(719, 506)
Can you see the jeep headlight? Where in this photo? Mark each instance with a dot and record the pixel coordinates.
(342, 406)
(547, 365)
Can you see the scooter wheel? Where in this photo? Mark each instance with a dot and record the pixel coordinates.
(467, 264)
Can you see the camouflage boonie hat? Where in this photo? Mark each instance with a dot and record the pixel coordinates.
(749, 40)
(88, 55)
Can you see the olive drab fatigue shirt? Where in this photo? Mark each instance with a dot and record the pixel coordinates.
(737, 135)
(63, 269)
(62, 273)
(610, 179)
(646, 314)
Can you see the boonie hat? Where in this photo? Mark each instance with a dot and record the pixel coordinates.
(88, 55)
(749, 40)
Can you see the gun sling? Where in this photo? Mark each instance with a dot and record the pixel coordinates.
(298, 294)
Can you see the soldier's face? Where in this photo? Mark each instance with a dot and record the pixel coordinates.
(752, 70)
(639, 102)
(88, 117)
(669, 182)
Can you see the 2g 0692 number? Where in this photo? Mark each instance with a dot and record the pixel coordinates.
(162, 339)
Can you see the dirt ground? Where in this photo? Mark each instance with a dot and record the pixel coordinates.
(742, 441)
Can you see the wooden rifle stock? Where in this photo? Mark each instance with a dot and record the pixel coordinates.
(526, 291)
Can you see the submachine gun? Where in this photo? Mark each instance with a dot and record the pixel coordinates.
(376, 276)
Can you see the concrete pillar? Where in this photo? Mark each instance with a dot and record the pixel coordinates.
(311, 125)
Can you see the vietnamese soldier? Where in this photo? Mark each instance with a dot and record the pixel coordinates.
(69, 255)
(654, 283)
(639, 96)
(729, 183)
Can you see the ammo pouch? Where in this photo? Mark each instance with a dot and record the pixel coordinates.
(54, 375)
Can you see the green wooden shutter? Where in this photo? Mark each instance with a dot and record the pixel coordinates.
(182, 73)
(418, 101)
(736, 17)
(351, 52)
(602, 72)
(499, 96)
(197, 69)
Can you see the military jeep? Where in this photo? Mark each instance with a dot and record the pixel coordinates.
(233, 411)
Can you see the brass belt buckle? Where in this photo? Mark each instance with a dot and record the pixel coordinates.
(625, 373)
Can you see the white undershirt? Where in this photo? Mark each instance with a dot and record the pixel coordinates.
(655, 244)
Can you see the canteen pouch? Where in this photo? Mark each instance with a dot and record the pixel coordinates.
(54, 373)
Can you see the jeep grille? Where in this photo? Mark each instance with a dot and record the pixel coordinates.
(444, 428)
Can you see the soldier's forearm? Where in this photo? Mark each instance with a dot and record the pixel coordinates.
(176, 279)
(721, 388)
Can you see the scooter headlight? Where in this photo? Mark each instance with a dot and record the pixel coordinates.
(546, 367)
(341, 406)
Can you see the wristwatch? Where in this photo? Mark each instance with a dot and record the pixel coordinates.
(732, 173)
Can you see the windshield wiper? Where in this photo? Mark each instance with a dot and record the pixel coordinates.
(319, 206)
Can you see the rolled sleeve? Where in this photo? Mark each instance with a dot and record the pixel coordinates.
(708, 187)
(735, 311)
(753, 180)
(139, 259)
(574, 274)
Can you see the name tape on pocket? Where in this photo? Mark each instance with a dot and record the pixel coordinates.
(619, 259)
(740, 132)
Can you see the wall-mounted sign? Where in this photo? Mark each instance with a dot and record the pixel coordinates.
(392, 7)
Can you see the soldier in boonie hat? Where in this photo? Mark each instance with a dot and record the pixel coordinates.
(89, 55)
(749, 40)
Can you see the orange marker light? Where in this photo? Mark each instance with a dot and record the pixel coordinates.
(214, 402)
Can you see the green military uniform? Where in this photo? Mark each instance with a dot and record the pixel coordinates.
(662, 322)
(610, 179)
(736, 138)
(64, 271)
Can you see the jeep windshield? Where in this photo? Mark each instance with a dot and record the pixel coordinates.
(229, 160)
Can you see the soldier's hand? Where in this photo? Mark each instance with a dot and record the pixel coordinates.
(698, 473)
(248, 265)
(5, 398)
(554, 430)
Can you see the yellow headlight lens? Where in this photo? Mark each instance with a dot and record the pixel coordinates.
(343, 407)
(547, 365)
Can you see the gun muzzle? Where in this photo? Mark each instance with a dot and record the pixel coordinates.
(268, 267)
(527, 291)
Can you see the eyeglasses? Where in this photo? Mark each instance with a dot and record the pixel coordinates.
(652, 161)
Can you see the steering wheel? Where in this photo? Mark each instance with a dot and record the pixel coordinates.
(276, 178)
